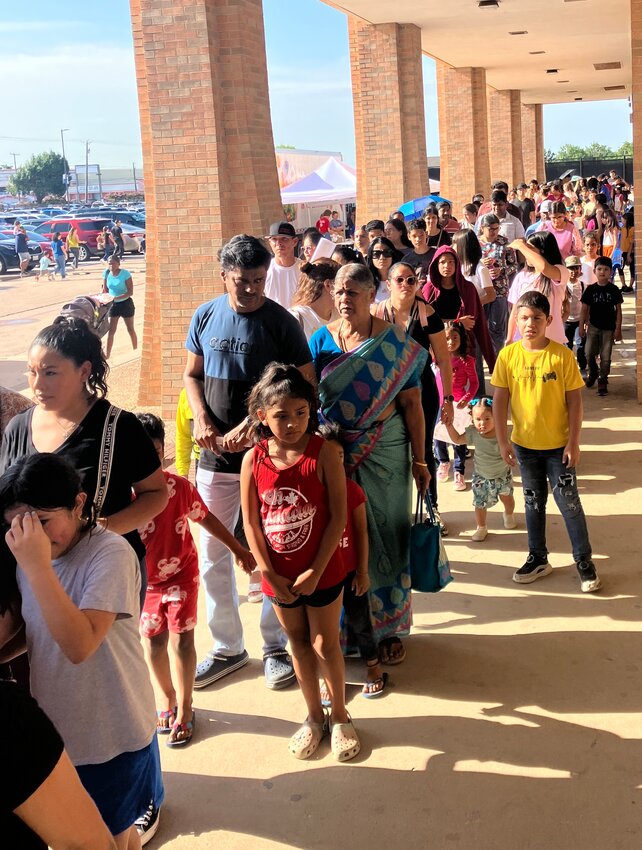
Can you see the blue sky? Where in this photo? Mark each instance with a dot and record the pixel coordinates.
(76, 71)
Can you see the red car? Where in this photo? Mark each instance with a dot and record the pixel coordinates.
(88, 230)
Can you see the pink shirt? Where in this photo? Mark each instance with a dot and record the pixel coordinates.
(526, 281)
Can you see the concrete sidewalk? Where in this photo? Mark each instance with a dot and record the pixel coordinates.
(514, 722)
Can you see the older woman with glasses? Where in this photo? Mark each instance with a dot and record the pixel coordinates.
(369, 375)
(501, 262)
(406, 308)
(381, 256)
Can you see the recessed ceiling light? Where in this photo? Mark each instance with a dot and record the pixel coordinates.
(614, 88)
(607, 66)
(572, 91)
(519, 32)
(562, 81)
(577, 98)
(552, 71)
(488, 4)
(536, 52)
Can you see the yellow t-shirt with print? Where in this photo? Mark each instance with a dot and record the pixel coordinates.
(538, 382)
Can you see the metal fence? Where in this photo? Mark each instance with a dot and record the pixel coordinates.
(591, 167)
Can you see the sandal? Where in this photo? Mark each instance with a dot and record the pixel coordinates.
(326, 699)
(170, 716)
(185, 729)
(254, 593)
(386, 646)
(307, 738)
(345, 742)
(379, 683)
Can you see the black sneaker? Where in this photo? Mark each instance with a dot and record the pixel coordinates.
(602, 388)
(534, 568)
(147, 825)
(215, 666)
(588, 576)
(590, 381)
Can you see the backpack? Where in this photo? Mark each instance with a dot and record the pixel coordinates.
(93, 309)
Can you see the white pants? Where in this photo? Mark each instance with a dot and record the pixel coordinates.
(221, 493)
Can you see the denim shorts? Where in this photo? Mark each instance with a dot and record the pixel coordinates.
(486, 491)
(318, 599)
(123, 787)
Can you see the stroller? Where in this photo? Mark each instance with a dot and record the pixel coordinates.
(93, 309)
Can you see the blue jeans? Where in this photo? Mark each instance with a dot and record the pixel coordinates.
(497, 318)
(222, 495)
(60, 265)
(538, 468)
(459, 451)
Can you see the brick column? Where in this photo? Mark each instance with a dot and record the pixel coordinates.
(636, 100)
(505, 135)
(209, 162)
(389, 121)
(529, 141)
(463, 133)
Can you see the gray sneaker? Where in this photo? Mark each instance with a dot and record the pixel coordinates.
(534, 568)
(216, 666)
(279, 672)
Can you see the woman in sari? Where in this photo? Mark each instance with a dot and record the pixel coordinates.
(369, 375)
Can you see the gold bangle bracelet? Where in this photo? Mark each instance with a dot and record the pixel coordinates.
(419, 463)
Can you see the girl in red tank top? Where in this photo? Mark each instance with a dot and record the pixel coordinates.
(293, 493)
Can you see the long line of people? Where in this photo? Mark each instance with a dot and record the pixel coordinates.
(313, 387)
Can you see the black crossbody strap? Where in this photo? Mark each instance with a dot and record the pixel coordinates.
(106, 456)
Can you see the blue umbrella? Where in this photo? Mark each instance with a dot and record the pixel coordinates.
(414, 209)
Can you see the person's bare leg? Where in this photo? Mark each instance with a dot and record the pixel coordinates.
(304, 658)
(158, 660)
(509, 504)
(129, 324)
(480, 517)
(324, 636)
(185, 657)
(113, 324)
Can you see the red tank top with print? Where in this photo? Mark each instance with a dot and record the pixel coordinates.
(294, 514)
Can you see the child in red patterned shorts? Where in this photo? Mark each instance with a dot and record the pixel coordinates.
(169, 611)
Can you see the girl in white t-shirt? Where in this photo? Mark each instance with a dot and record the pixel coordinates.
(545, 272)
(79, 599)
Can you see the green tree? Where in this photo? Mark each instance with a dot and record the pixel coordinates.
(41, 175)
(625, 149)
(596, 150)
(570, 152)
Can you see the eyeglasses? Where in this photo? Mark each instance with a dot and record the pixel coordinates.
(401, 280)
(377, 255)
(483, 402)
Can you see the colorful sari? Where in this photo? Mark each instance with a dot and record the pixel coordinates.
(355, 389)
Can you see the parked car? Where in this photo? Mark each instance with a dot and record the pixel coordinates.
(88, 230)
(126, 216)
(7, 233)
(132, 237)
(9, 259)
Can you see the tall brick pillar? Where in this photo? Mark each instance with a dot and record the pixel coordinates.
(505, 135)
(533, 141)
(636, 101)
(208, 157)
(463, 133)
(389, 120)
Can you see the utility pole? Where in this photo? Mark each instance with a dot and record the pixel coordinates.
(65, 164)
(14, 155)
(134, 172)
(87, 171)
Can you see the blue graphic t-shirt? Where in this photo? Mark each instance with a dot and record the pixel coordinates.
(236, 348)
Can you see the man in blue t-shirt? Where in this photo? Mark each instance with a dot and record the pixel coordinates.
(230, 342)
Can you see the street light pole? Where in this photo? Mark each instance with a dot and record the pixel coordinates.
(14, 155)
(87, 171)
(65, 164)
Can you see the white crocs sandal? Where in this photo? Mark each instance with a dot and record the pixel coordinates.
(307, 738)
(345, 742)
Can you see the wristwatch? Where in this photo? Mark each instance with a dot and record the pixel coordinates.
(450, 398)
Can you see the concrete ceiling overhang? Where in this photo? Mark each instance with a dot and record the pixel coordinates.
(574, 35)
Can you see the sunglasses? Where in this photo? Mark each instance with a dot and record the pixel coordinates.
(484, 402)
(377, 255)
(401, 280)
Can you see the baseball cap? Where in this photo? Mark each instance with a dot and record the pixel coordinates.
(545, 206)
(521, 186)
(571, 261)
(282, 228)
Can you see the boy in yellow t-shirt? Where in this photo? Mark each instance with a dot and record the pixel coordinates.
(541, 380)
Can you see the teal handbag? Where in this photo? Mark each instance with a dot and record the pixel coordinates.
(429, 566)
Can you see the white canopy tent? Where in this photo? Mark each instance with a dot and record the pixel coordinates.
(331, 182)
